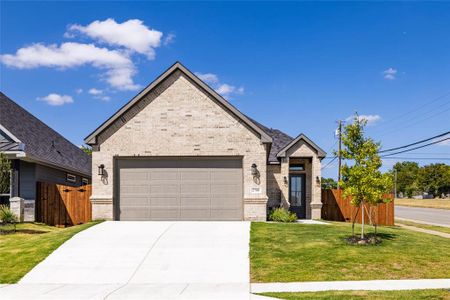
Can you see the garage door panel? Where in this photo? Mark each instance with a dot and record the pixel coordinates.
(168, 213)
(195, 214)
(180, 189)
(156, 174)
(164, 188)
(193, 175)
(226, 214)
(194, 188)
(225, 188)
(164, 202)
(193, 202)
(134, 213)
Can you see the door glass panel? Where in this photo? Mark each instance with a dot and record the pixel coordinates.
(296, 191)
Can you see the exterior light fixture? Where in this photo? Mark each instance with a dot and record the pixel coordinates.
(317, 180)
(285, 180)
(101, 170)
(254, 170)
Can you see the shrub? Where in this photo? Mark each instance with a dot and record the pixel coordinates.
(282, 215)
(7, 216)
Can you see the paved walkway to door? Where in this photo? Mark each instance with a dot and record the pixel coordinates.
(168, 260)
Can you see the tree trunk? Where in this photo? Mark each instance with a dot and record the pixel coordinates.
(362, 219)
(354, 221)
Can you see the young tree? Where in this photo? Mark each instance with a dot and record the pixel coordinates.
(362, 179)
(5, 173)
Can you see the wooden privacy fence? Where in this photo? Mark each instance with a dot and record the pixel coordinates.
(335, 208)
(63, 205)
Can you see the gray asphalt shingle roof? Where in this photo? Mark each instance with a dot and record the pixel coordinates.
(42, 142)
(279, 140)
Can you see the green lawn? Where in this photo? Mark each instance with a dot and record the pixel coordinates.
(21, 251)
(425, 226)
(298, 252)
(370, 295)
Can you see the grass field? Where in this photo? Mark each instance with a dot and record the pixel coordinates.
(425, 226)
(430, 203)
(369, 295)
(298, 252)
(21, 251)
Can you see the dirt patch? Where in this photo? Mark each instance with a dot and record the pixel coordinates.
(369, 239)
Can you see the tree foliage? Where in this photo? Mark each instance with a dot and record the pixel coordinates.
(362, 179)
(435, 179)
(412, 179)
(87, 150)
(407, 176)
(328, 183)
(5, 173)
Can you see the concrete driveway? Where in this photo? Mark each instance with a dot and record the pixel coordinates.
(433, 216)
(152, 260)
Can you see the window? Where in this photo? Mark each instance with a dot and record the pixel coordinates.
(71, 178)
(84, 181)
(297, 167)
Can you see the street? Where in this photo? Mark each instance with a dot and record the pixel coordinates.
(429, 215)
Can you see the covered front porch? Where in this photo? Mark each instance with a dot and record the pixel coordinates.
(294, 182)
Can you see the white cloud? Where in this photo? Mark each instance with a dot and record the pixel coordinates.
(390, 74)
(95, 91)
(79, 91)
(56, 99)
(208, 77)
(224, 89)
(131, 34)
(371, 119)
(118, 65)
(169, 39)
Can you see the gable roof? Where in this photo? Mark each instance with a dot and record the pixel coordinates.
(91, 139)
(38, 141)
(320, 152)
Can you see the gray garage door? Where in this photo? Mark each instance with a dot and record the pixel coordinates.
(179, 189)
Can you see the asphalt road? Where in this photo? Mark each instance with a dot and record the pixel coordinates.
(428, 215)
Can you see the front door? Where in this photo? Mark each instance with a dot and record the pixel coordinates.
(297, 195)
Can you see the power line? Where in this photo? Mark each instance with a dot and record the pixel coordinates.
(418, 147)
(329, 162)
(408, 113)
(415, 143)
(414, 122)
(418, 158)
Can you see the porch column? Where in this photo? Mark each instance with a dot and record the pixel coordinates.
(316, 190)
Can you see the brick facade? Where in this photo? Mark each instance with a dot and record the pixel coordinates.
(182, 120)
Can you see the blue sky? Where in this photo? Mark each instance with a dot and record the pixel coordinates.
(321, 61)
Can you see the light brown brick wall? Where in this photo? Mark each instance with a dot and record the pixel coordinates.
(182, 121)
(278, 190)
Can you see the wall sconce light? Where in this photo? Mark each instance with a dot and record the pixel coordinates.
(101, 170)
(285, 180)
(317, 180)
(254, 170)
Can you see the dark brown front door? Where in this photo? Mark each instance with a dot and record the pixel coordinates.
(297, 194)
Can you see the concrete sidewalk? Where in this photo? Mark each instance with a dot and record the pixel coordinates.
(368, 285)
(418, 229)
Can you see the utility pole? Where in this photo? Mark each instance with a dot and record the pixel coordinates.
(339, 151)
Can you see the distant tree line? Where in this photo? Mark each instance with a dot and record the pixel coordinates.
(433, 179)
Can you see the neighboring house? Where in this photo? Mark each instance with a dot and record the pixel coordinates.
(179, 151)
(37, 153)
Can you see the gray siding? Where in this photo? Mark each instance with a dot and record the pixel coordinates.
(31, 173)
(27, 180)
